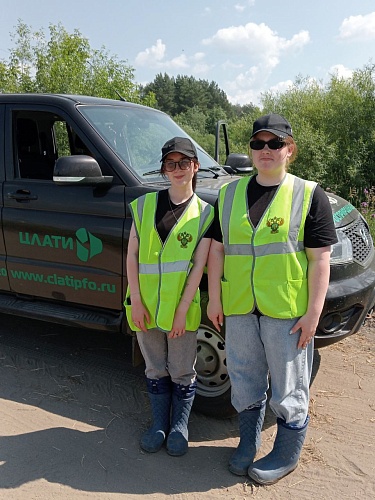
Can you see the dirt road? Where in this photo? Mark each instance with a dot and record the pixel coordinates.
(72, 412)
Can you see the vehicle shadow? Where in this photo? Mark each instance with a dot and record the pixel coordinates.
(73, 410)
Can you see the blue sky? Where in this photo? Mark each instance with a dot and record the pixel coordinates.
(245, 46)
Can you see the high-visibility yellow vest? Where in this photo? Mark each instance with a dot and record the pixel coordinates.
(164, 268)
(265, 266)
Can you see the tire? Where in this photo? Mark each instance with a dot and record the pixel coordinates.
(213, 397)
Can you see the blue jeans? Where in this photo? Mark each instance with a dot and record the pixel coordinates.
(174, 357)
(259, 347)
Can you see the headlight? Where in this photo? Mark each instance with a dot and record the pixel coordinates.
(342, 251)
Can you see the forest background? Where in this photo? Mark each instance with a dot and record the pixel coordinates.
(333, 124)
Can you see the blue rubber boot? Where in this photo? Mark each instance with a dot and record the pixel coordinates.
(182, 401)
(284, 456)
(251, 423)
(159, 392)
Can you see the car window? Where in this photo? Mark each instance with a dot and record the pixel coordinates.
(40, 138)
(137, 135)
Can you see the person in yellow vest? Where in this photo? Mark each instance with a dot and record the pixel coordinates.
(268, 274)
(168, 247)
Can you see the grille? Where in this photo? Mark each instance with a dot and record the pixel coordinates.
(361, 240)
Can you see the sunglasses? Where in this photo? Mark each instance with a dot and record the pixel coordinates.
(170, 165)
(258, 144)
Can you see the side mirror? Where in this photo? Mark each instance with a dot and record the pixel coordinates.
(229, 170)
(79, 169)
(240, 163)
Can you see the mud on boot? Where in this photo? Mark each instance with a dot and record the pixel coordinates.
(159, 392)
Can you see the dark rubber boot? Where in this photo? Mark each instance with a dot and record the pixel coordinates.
(182, 401)
(159, 392)
(251, 423)
(283, 459)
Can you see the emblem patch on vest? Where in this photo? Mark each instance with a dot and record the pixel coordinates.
(275, 223)
(184, 238)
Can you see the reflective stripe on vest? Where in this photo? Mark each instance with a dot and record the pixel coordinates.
(269, 260)
(163, 268)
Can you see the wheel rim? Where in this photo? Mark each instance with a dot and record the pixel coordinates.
(212, 373)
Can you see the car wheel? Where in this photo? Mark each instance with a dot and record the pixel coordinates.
(213, 397)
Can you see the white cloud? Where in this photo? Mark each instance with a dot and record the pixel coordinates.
(227, 65)
(198, 56)
(201, 69)
(256, 40)
(254, 51)
(177, 63)
(155, 57)
(341, 71)
(149, 56)
(359, 28)
(199, 66)
(246, 87)
(261, 50)
(240, 8)
(245, 97)
(281, 86)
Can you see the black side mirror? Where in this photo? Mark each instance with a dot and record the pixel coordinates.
(240, 163)
(79, 169)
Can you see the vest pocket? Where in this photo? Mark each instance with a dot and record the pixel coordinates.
(128, 311)
(193, 317)
(298, 297)
(225, 299)
(282, 300)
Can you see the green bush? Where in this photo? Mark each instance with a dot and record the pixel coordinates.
(364, 201)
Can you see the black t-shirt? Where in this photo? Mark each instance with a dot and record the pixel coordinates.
(167, 214)
(319, 226)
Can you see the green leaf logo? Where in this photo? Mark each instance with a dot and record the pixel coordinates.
(88, 245)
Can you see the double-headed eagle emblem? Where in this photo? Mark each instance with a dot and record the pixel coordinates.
(184, 238)
(275, 223)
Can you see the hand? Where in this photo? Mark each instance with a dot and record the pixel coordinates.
(215, 314)
(179, 324)
(139, 315)
(307, 331)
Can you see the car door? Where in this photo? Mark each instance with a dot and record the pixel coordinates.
(63, 243)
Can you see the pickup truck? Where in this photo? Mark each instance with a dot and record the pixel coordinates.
(69, 167)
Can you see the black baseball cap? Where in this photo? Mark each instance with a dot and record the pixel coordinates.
(276, 124)
(181, 145)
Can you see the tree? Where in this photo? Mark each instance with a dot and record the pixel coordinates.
(65, 63)
(163, 87)
(177, 95)
(189, 93)
(334, 127)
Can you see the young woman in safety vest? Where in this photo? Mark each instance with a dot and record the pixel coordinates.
(268, 274)
(167, 252)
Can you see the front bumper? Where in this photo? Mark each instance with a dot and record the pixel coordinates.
(347, 305)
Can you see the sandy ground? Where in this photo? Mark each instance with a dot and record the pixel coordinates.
(70, 426)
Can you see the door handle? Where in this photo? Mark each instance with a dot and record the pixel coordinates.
(22, 195)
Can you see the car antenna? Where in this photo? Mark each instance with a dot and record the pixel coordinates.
(120, 96)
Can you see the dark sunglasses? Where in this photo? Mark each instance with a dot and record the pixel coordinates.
(258, 144)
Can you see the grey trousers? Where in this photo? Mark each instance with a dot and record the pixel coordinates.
(174, 357)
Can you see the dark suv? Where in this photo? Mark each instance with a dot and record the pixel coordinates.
(69, 167)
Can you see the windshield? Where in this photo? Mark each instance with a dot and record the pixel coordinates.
(137, 134)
